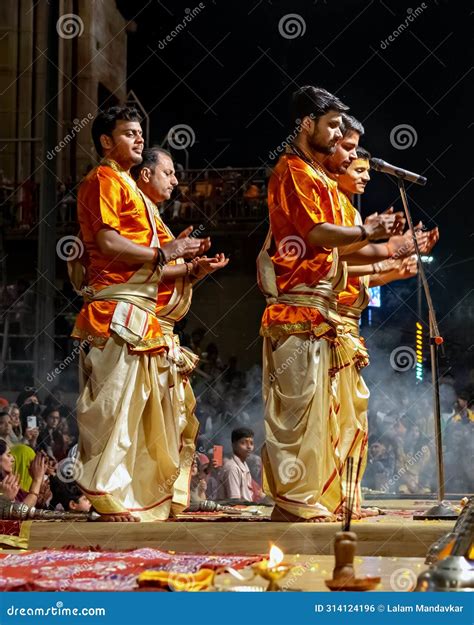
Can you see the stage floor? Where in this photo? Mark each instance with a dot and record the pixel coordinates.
(394, 534)
(310, 573)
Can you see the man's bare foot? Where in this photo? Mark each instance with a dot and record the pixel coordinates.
(123, 517)
(278, 514)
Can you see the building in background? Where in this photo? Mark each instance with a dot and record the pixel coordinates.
(92, 72)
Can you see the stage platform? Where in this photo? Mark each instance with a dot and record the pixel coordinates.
(394, 534)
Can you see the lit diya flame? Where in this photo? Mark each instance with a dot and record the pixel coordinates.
(276, 557)
(272, 569)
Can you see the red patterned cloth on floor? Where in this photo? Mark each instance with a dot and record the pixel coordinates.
(76, 570)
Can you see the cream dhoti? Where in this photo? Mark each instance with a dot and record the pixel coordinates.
(137, 431)
(352, 396)
(300, 455)
(137, 427)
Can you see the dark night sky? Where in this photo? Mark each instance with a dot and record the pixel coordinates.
(229, 74)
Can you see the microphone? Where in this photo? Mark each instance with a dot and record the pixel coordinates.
(379, 165)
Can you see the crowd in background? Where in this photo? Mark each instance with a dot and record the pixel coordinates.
(230, 193)
(39, 435)
(37, 446)
(402, 447)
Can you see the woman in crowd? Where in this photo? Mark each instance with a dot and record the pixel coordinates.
(38, 493)
(16, 433)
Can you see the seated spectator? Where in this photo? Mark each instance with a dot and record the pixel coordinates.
(466, 464)
(462, 413)
(197, 336)
(64, 428)
(10, 482)
(30, 432)
(461, 423)
(214, 486)
(56, 398)
(399, 430)
(454, 479)
(23, 456)
(50, 439)
(415, 470)
(255, 465)
(211, 364)
(237, 479)
(5, 427)
(28, 396)
(198, 482)
(381, 464)
(16, 435)
(68, 497)
(211, 413)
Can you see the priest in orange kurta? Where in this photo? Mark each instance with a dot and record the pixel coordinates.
(300, 274)
(131, 425)
(300, 455)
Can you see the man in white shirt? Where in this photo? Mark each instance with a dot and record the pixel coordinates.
(236, 473)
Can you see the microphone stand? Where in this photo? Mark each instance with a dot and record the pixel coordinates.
(442, 509)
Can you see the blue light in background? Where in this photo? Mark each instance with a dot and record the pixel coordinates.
(375, 296)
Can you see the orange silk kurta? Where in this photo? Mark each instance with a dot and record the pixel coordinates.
(350, 217)
(298, 199)
(105, 200)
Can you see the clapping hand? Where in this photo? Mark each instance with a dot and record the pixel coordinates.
(10, 485)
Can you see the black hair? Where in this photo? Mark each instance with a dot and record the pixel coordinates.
(240, 433)
(24, 395)
(49, 409)
(150, 159)
(3, 450)
(351, 124)
(64, 492)
(315, 102)
(106, 120)
(363, 153)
